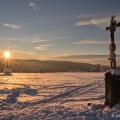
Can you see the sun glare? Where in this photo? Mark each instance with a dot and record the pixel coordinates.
(6, 54)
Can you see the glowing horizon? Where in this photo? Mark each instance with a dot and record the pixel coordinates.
(70, 28)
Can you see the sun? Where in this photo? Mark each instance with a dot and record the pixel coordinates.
(7, 54)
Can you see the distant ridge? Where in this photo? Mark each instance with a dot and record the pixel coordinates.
(31, 65)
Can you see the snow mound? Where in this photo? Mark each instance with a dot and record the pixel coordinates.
(110, 71)
(30, 91)
(12, 97)
(7, 72)
(112, 113)
(114, 71)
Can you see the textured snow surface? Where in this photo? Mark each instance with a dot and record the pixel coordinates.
(116, 72)
(54, 96)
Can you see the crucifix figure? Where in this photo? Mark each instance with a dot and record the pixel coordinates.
(112, 47)
(112, 28)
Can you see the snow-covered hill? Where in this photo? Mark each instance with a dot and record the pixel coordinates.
(54, 96)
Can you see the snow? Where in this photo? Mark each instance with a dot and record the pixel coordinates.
(112, 113)
(112, 56)
(7, 72)
(114, 71)
(55, 96)
(110, 71)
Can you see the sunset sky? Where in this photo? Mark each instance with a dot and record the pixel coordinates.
(48, 29)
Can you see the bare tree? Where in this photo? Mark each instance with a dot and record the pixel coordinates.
(87, 69)
(98, 67)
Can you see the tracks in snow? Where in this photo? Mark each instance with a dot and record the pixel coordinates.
(70, 93)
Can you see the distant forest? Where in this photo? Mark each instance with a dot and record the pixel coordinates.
(37, 66)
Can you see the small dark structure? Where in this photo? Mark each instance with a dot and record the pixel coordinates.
(112, 47)
(112, 89)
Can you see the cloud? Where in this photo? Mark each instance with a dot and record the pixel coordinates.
(14, 39)
(25, 52)
(35, 39)
(33, 6)
(12, 26)
(44, 47)
(64, 37)
(67, 56)
(80, 23)
(98, 21)
(92, 59)
(39, 40)
(13, 47)
(91, 42)
(101, 22)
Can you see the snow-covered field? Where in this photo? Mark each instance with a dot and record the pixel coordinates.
(55, 96)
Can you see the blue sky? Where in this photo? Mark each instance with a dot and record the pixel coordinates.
(47, 29)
